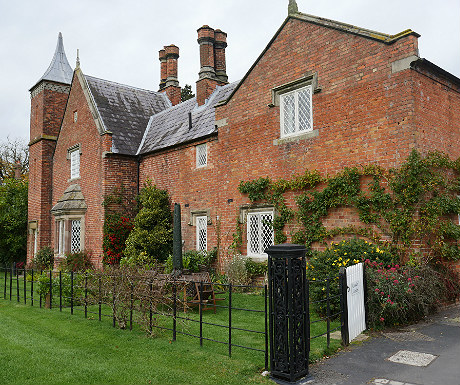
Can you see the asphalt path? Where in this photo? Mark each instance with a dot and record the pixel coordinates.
(422, 354)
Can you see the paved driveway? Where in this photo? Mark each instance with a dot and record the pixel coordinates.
(422, 354)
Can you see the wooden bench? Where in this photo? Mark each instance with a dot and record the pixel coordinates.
(204, 292)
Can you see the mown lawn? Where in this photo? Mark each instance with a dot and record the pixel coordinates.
(39, 346)
(49, 346)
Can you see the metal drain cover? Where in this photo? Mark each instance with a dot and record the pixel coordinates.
(412, 358)
(408, 336)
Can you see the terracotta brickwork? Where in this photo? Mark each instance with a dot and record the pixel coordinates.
(47, 109)
(369, 106)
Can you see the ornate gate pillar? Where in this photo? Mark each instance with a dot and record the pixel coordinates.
(288, 312)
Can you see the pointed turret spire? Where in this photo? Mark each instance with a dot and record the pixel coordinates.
(59, 70)
(292, 7)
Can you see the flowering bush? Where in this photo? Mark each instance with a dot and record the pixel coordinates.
(402, 294)
(77, 261)
(325, 265)
(116, 231)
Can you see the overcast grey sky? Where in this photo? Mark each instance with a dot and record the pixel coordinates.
(119, 40)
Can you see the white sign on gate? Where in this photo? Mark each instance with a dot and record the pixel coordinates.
(355, 301)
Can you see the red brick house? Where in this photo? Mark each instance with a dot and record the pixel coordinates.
(322, 95)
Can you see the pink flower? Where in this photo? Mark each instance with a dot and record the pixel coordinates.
(395, 281)
(397, 266)
(409, 279)
(382, 319)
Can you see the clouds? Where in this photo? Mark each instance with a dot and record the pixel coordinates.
(119, 40)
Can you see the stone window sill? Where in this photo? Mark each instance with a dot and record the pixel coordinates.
(296, 138)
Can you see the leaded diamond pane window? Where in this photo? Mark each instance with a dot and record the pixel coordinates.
(201, 155)
(202, 233)
(296, 111)
(75, 234)
(75, 164)
(260, 233)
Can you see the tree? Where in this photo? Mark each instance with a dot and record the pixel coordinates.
(186, 93)
(14, 154)
(13, 220)
(152, 234)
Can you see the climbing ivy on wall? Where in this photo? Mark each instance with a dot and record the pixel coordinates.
(411, 205)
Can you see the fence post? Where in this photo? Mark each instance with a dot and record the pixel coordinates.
(100, 297)
(6, 277)
(266, 326)
(288, 311)
(17, 281)
(60, 290)
(343, 305)
(51, 289)
(71, 292)
(131, 307)
(86, 294)
(174, 309)
(11, 282)
(230, 319)
(25, 287)
(201, 313)
(150, 308)
(32, 288)
(328, 313)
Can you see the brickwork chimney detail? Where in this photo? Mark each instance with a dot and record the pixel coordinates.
(169, 82)
(212, 62)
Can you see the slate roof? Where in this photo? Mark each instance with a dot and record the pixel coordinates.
(171, 127)
(125, 111)
(59, 69)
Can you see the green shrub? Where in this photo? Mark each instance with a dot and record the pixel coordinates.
(255, 269)
(78, 261)
(44, 259)
(402, 294)
(194, 260)
(68, 289)
(152, 232)
(323, 265)
(141, 260)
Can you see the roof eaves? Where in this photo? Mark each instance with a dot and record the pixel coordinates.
(435, 68)
(184, 143)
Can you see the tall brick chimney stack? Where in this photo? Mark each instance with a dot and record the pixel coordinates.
(163, 68)
(219, 55)
(169, 82)
(212, 62)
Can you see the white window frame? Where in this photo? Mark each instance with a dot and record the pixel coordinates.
(201, 230)
(201, 155)
(258, 254)
(74, 163)
(60, 226)
(295, 94)
(35, 235)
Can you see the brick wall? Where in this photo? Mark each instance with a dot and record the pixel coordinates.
(47, 109)
(364, 113)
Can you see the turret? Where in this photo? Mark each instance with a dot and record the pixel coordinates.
(48, 100)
